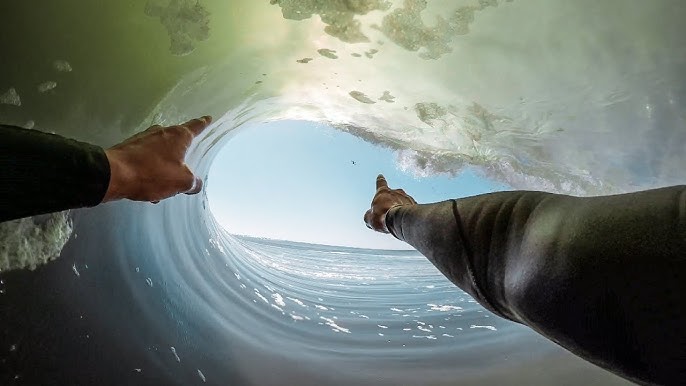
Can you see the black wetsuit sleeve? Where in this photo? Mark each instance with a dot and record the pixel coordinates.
(467, 240)
(43, 173)
(432, 230)
(604, 277)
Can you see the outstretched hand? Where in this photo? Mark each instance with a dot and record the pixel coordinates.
(385, 199)
(150, 166)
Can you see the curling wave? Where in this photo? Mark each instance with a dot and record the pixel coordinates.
(549, 95)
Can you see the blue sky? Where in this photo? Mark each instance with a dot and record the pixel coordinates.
(294, 180)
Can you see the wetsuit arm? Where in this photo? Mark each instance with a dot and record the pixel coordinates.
(434, 231)
(469, 239)
(42, 173)
(604, 277)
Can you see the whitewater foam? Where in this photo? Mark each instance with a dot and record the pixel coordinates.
(31, 242)
(10, 97)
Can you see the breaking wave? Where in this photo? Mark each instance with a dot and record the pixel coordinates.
(577, 97)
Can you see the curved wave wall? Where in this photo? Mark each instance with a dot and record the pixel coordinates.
(580, 98)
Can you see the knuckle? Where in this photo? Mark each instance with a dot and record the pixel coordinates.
(187, 178)
(187, 184)
(184, 133)
(187, 173)
(170, 131)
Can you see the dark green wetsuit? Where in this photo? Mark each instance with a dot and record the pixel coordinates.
(604, 277)
(42, 173)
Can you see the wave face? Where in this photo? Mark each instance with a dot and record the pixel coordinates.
(576, 97)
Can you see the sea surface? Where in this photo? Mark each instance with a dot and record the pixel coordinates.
(184, 302)
(584, 97)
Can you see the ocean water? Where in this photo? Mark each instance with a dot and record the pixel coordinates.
(580, 97)
(191, 304)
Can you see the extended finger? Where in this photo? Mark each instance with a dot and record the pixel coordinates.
(196, 126)
(381, 182)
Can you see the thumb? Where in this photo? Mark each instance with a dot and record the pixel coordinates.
(196, 188)
(368, 219)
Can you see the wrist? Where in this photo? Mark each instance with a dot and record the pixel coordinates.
(385, 217)
(119, 175)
